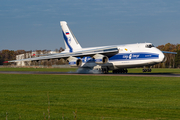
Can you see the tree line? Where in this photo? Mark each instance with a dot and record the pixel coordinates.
(7, 55)
(172, 60)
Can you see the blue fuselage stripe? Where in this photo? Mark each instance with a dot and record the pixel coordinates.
(66, 40)
(134, 56)
(123, 57)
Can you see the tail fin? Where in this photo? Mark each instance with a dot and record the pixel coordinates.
(70, 40)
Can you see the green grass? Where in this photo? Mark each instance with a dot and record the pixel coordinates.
(134, 70)
(94, 97)
(39, 69)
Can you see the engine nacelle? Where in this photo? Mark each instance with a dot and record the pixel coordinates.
(100, 59)
(78, 62)
(73, 61)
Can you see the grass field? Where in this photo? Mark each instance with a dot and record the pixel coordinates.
(134, 70)
(39, 69)
(25, 97)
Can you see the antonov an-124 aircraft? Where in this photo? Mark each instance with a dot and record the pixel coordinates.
(116, 57)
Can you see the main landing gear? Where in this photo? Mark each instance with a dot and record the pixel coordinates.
(146, 70)
(105, 70)
(120, 71)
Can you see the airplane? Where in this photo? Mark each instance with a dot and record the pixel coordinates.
(105, 58)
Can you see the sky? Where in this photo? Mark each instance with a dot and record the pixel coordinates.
(34, 24)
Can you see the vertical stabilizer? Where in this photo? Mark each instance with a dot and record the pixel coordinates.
(70, 40)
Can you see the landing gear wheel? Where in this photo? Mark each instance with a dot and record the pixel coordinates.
(120, 71)
(105, 71)
(144, 70)
(149, 70)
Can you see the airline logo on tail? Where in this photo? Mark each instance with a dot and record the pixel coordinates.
(71, 42)
(67, 33)
(67, 43)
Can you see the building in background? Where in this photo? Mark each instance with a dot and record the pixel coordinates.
(31, 55)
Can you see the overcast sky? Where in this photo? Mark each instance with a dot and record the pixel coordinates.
(34, 24)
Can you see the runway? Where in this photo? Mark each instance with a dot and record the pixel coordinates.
(110, 74)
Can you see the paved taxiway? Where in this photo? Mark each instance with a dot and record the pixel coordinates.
(110, 74)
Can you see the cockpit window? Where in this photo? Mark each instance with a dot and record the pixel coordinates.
(149, 46)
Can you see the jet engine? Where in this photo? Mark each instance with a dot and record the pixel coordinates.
(74, 61)
(78, 62)
(100, 59)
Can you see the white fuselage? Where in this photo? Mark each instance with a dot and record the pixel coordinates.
(129, 56)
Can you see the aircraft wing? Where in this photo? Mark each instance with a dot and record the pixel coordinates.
(169, 52)
(104, 51)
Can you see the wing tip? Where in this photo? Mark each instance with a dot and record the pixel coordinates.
(6, 62)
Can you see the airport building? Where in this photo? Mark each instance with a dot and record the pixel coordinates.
(31, 55)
